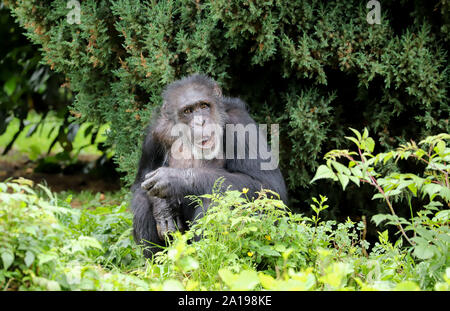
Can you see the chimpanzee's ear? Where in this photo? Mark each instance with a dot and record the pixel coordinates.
(164, 107)
(217, 90)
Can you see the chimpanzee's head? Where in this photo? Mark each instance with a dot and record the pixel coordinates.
(195, 102)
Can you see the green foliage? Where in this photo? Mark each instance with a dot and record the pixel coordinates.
(261, 245)
(430, 240)
(317, 67)
(246, 245)
(47, 245)
(25, 84)
(86, 140)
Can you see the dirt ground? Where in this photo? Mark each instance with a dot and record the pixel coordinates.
(16, 165)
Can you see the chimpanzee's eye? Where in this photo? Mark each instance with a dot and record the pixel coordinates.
(187, 110)
(204, 105)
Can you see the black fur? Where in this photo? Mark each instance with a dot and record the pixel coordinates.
(238, 173)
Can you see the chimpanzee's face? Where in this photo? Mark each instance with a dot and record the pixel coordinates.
(197, 107)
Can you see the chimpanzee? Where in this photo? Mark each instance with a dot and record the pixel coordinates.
(172, 167)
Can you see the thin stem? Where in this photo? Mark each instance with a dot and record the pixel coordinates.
(364, 251)
(386, 198)
(447, 184)
(412, 214)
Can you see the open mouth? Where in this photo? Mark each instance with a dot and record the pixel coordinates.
(206, 142)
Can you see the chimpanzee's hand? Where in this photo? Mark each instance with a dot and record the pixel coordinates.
(161, 181)
(167, 217)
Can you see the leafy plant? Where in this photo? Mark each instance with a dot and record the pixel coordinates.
(305, 64)
(45, 244)
(430, 235)
(246, 245)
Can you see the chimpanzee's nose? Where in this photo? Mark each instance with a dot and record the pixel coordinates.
(199, 122)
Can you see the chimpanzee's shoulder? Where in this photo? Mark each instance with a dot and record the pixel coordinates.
(231, 103)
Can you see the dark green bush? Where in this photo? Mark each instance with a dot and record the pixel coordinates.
(315, 67)
(28, 87)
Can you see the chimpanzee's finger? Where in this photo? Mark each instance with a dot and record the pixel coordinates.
(151, 174)
(164, 229)
(180, 225)
(147, 184)
(153, 191)
(158, 190)
(171, 225)
(158, 230)
(149, 180)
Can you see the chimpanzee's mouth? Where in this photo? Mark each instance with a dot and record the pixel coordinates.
(206, 142)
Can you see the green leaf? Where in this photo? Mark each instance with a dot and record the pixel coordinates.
(431, 189)
(343, 179)
(189, 263)
(379, 218)
(29, 258)
(365, 133)
(268, 251)
(10, 86)
(358, 135)
(267, 281)
(172, 285)
(7, 258)
(322, 172)
(424, 234)
(354, 140)
(247, 280)
(370, 144)
(445, 193)
(393, 192)
(442, 216)
(354, 179)
(388, 156)
(336, 273)
(423, 251)
(440, 147)
(420, 153)
(340, 168)
(378, 196)
(413, 188)
(227, 276)
(46, 257)
(53, 286)
(356, 171)
(279, 247)
(47, 191)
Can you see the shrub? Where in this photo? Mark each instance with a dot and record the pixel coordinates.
(46, 245)
(246, 245)
(429, 240)
(317, 67)
(261, 245)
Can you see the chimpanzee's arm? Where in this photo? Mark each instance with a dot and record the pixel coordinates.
(168, 182)
(153, 216)
(152, 157)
